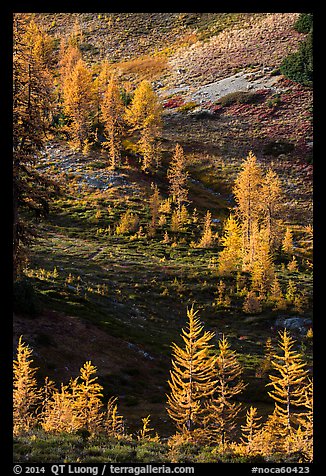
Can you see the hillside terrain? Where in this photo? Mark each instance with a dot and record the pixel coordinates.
(120, 300)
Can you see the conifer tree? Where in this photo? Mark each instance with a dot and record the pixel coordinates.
(207, 239)
(289, 385)
(276, 296)
(114, 423)
(112, 110)
(178, 176)
(144, 433)
(59, 414)
(144, 116)
(287, 244)
(192, 378)
(78, 102)
(221, 410)
(262, 268)
(271, 204)
(250, 429)
(252, 303)
(26, 395)
(32, 116)
(86, 394)
(230, 258)
(247, 196)
(154, 205)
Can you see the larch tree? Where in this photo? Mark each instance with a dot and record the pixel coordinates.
(26, 395)
(86, 395)
(207, 238)
(112, 114)
(154, 206)
(250, 430)
(178, 177)
(32, 116)
(144, 116)
(271, 201)
(221, 410)
(287, 243)
(192, 378)
(58, 414)
(262, 267)
(78, 102)
(247, 196)
(230, 258)
(289, 384)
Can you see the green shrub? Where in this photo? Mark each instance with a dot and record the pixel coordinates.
(239, 97)
(276, 148)
(299, 66)
(304, 23)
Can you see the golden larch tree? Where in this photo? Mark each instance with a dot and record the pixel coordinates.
(250, 430)
(287, 244)
(230, 258)
(112, 113)
(144, 116)
(207, 238)
(192, 378)
(87, 398)
(178, 177)
(59, 414)
(271, 204)
(262, 267)
(154, 206)
(289, 385)
(247, 196)
(78, 101)
(26, 395)
(221, 410)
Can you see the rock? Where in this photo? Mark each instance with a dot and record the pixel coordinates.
(298, 324)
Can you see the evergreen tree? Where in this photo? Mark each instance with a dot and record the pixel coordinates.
(26, 395)
(144, 116)
(32, 116)
(178, 177)
(112, 110)
(192, 378)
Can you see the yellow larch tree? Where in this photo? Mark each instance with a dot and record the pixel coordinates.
(250, 430)
(78, 102)
(178, 177)
(112, 114)
(289, 383)
(154, 206)
(270, 202)
(207, 238)
(262, 267)
(58, 413)
(87, 398)
(114, 422)
(144, 116)
(145, 433)
(221, 410)
(26, 395)
(192, 378)
(230, 258)
(287, 244)
(247, 196)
